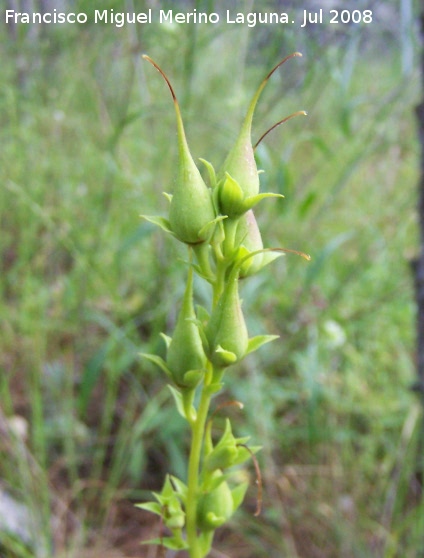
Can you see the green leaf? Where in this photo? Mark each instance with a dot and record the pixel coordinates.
(211, 172)
(179, 402)
(202, 314)
(238, 494)
(153, 507)
(180, 487)
(253, 200)
(215, 387)
(167, 339)
(269, 257)
(255, 342)
(161, 222)
(215, 481)
(159, 362)
(207, 228)
(173, 543)
(244, 454)
(205, 542)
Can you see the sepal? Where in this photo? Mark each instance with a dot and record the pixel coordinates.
(225, 358)
(232, 200)
(231, 197)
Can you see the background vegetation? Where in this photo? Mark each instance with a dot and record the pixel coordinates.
(87, 144)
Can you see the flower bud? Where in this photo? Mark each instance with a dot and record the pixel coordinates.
(185, 356)
(168, 506)
(226, 331)
(229, 451)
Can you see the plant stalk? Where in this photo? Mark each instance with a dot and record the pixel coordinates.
(198, 429)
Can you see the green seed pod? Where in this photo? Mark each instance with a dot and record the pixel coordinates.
(239, 178)
(248, 235)
(215, 507)
(226, 331)
(185, 356)
(191, 214)
(248, 238)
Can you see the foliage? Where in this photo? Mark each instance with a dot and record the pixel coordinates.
(218, 226)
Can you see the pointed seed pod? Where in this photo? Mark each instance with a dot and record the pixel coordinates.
(191, 209)
(186, 358)
(240, 165)
(215, 507)
(226, 331)
(249, 239)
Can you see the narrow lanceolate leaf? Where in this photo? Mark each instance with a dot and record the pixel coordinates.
(179, 486)
(255, 342)
(173, 543)
(159, 362)
(161, 222)
(238, 494)
(153, 507)
(253, 200)
(178, 398)
(211, 172)
(167, 339)
(183, 402)
(244, 454)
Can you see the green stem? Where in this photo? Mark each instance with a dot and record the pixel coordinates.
(218, 286)
(230, 227)
(202, 255)
(198, 428)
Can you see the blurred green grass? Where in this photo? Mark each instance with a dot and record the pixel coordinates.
(87, 142)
